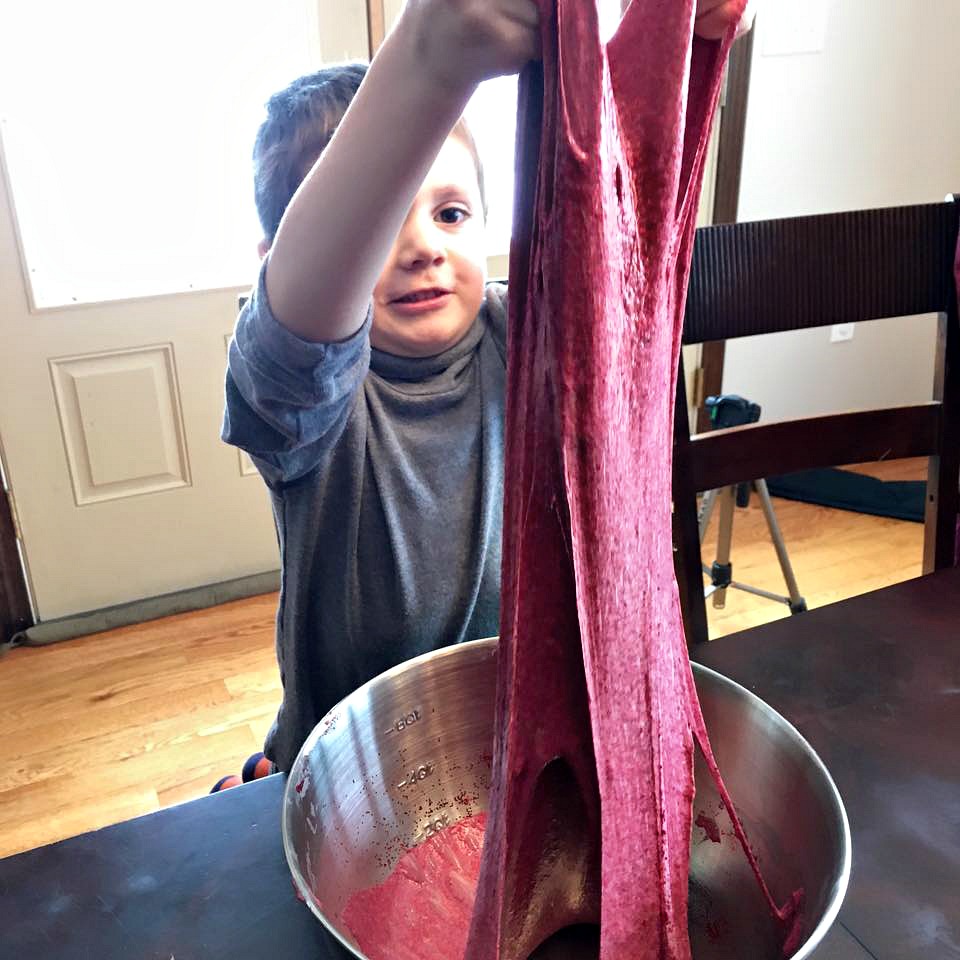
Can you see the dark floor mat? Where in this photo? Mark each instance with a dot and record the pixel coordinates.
(900, 499)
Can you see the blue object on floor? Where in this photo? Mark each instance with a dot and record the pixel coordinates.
(844, 490)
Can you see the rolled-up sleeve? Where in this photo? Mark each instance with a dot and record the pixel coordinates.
(288, 399)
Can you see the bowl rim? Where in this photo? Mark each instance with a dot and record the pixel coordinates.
(490, 644)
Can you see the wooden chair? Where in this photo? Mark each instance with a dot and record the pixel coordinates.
(777, 275)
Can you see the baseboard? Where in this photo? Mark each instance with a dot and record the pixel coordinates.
(150, 608)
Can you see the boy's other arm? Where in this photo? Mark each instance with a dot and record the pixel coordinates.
(340, 225)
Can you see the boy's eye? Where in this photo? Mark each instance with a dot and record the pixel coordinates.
(453, 215)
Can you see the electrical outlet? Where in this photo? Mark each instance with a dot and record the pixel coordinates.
(840, 332)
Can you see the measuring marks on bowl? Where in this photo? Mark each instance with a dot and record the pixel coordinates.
(415, 775)
(432, 826)
(417, 772)
(429, 780)
(407, 720)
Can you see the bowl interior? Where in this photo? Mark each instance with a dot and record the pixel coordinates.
(410, 753)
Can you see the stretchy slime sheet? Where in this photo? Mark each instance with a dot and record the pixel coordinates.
(597, 712)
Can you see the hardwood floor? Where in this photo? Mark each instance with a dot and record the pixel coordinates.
(107, 727)
(104, 728)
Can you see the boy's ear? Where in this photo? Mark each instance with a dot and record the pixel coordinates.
(262, 247)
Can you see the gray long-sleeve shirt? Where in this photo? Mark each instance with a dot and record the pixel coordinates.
(386, 475)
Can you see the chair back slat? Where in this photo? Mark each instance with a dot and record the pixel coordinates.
(760, 450)
(770, 276)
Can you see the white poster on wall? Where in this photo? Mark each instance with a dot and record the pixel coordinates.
(787, 27)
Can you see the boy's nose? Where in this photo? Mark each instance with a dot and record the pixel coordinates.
(421, 245)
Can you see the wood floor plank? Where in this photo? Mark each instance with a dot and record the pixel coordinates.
(62, 799)
(124, 680)
(202, 709)
(69, 820)
(116, 749)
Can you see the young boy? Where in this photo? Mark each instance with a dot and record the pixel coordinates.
(367, 371)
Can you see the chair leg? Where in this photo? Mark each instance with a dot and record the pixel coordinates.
(943, 496)
(689, 569)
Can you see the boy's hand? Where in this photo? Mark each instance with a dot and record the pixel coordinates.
(466, 41)
(715, 17)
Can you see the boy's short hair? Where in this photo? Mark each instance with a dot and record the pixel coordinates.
(301, 120)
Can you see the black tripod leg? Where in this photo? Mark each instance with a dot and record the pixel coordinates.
(797, 603)
(722, 570)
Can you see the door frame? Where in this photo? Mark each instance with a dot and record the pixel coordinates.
(16, 612)
(376, 24)
(733, 123)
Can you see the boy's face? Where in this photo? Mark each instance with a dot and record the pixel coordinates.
(432, 284)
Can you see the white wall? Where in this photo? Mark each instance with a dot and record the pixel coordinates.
(870, 120)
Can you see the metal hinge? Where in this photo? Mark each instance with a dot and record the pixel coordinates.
(14, 516)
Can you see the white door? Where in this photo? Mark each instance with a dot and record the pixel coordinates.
(110, 411)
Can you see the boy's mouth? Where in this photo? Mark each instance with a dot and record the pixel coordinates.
(423, 296)
(419, 302)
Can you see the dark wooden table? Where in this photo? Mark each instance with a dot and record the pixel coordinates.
(873, 683)
(205, 880)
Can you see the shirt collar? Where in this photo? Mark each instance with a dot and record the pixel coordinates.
(393, 367)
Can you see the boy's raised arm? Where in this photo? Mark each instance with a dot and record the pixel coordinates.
(340, 225)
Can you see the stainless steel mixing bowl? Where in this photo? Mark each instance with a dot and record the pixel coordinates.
(409, 753)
